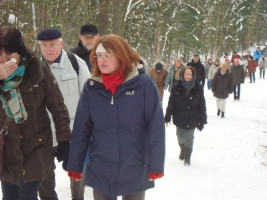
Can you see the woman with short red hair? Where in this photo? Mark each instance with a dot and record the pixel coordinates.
(120, 119)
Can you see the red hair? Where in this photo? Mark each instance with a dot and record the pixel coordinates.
(120, 49)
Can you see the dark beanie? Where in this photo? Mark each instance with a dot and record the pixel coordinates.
(49, 34)
(89, 29)
(159, 66)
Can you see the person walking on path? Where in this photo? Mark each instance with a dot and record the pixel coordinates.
(27, 94)
(252, 65)
(222, 86)
(70, 77)
(238, 77)
(262, 65)
(120, 120)
(199, 68)
(187, 108)
(88, 36)
(174, 73)
(159, 74)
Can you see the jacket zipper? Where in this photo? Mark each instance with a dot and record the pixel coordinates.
(112, 100)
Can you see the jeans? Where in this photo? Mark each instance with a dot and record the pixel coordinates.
(209, 83)
(252, 76)
(28, 191)
(137, 196)
(237, 91)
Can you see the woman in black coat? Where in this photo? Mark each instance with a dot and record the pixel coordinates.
(188, 108)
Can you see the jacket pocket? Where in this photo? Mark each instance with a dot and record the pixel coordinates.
(34, 145)
(31, 96)
(70, 83)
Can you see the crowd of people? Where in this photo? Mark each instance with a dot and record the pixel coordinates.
(97, 110)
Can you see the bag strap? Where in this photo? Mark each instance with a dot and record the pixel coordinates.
(74, 62)
(4, 130)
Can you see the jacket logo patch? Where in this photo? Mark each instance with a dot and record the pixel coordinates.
(91, 82)
(130, 92)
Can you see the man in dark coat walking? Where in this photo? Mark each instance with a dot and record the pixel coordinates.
(200, 69)
(88, 36)
(238, 76)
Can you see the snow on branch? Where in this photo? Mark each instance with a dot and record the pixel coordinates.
(129, 8)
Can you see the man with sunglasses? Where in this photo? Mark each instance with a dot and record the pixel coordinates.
(70, 81)
(88, 37)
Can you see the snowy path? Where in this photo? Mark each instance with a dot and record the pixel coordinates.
(227, 162)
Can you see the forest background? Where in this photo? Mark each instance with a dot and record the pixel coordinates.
(160, 30)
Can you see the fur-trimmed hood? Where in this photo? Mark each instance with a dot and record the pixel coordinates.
(136, 70)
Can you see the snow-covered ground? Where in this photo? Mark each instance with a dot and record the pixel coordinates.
(228, 162)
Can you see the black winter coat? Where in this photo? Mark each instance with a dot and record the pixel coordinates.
(200, 71)
(83, 53)
(222, 85)
(188, 111)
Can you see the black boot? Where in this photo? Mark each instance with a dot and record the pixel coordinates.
(218, 112)
(181, 156)
(222, 116)
(187, 155)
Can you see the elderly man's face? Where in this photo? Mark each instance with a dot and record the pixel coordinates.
(88, 41)
(236, 62)
(195, 59)
(51, 49)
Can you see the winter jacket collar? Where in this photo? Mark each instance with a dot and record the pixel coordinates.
(83, 49)
(136, 70)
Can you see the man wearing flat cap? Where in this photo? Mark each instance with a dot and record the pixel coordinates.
(70, 80)
(199, 68)
(159, 74)
(88, 37)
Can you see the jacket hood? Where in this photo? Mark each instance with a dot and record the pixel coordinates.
(34, 73)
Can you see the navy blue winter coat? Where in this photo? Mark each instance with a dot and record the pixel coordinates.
(125, 133)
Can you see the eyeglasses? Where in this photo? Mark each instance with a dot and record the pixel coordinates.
(103, 56)
(52, 46)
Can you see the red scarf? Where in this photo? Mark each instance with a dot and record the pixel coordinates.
(112, 82)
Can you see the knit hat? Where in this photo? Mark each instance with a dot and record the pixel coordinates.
(89, 29)
(49, 34)
(159, 66)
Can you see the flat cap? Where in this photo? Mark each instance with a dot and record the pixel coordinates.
(49, 34)
(89, 29)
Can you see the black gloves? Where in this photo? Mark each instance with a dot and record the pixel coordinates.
(62, 152)
(65, 164)
(200, 127)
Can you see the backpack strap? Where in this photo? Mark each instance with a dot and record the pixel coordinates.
(74, 62)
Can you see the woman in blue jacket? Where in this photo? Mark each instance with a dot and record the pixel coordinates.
(120, 119)
(188, 110)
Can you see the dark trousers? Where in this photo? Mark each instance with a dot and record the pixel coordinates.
(136, 196)
(48, 185)
(252, 76)
(237, 91)
(28, 191)
(262, 72)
